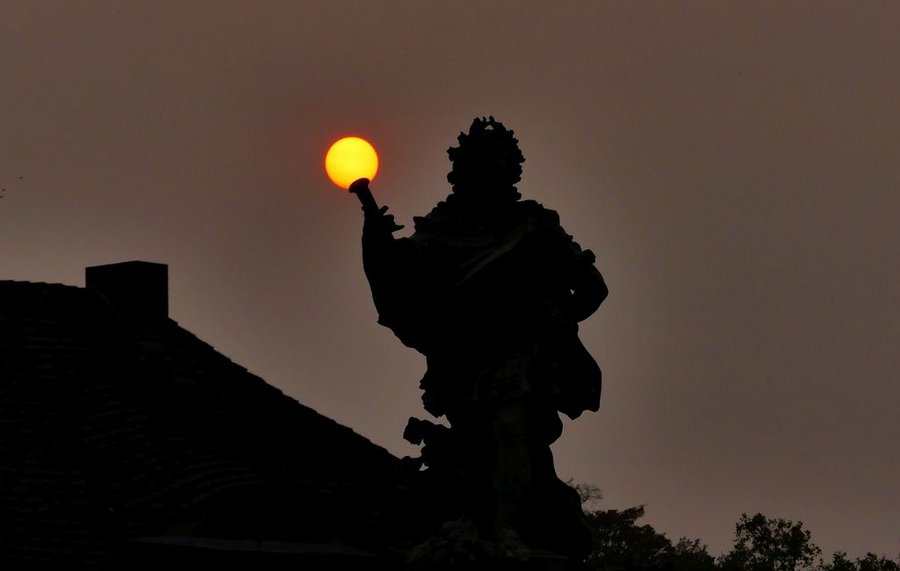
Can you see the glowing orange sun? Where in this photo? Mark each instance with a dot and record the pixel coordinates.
(350, 159)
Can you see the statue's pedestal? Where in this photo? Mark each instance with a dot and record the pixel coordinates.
(457, 547)
(546, 562)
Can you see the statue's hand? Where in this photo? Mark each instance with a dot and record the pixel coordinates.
(380, 222)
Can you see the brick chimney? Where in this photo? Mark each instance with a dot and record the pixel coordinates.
(138, 291)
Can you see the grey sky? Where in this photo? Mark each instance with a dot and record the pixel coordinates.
(734, 166)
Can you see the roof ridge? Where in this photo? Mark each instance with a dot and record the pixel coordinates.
(49, 284)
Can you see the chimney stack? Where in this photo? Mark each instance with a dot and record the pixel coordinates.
(138, 291)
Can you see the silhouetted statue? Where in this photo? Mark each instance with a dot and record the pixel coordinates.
(490, 289)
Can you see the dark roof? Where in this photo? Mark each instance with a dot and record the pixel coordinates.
(114, 427)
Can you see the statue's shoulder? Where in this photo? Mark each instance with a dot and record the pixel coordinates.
(432, 227)
(439, 216)
(538, 212)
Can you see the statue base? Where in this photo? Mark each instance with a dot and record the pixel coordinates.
(457, 547)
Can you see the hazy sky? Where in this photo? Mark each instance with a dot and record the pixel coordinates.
(735, 166)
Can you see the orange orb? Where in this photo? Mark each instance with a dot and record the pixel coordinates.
(350, 159)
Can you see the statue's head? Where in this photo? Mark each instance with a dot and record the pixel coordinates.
(487, 163)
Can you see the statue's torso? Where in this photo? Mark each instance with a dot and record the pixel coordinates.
(483, 298)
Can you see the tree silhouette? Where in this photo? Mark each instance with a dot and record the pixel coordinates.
(871, 562)
(589, 494)
(839, 562)
(690, 555)
(763, 544)
(619, 542)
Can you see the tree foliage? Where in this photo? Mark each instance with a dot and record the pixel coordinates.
(623, 544)
(690, 555)
(588, 493)
(839, 562)
(763, 544)
(620, 543)
(871, 562)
